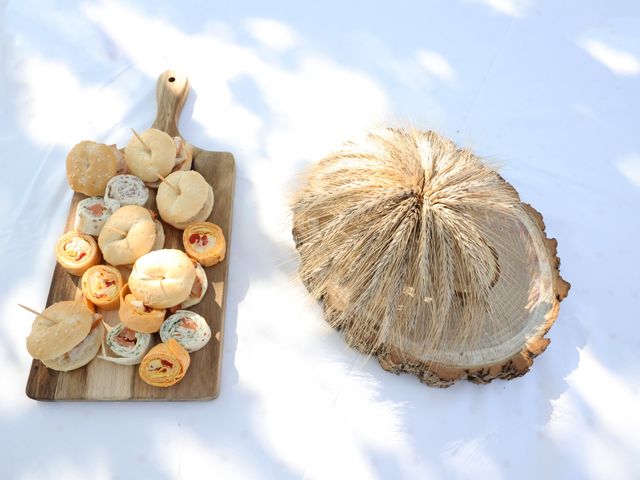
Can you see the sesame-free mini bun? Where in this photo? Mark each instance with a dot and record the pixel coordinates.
(90, 166)
(138, 225)
(162, 279)
(66, 325)
(156, 156)
(192, 203)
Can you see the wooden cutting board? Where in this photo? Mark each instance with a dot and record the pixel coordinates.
(101, 380)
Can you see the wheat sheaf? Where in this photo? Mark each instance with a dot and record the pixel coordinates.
(425, 257)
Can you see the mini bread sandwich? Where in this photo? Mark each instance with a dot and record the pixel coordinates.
(156, 154)
(127, 346)
(183, 159)
(125, 190)
(198, 290)
(165, 364)
(90, 166)
(91, 215)
(128, 234)
(76, 252)
(192, 203)
(204, 242)
(188, 328)
(137, 316)
(68, 338)
(162, 279)
(101, 285)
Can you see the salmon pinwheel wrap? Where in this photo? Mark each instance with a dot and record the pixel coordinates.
(91, 215)
(204, 242)
(76, 252)
(136, 315)
(188, 328)
(165, 364)
(128, 346)
(101, 285)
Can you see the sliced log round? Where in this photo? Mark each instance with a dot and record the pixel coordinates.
(426, 258)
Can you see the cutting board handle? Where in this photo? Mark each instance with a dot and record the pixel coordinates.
(171, 93)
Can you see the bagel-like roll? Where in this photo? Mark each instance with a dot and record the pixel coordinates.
(68, 338)
(125, 190)
(188, 328)
(101, 285)
(162, 279)
(194, 201)
(165, 364)
(128, 345)
(137, 223)
(76, 252)
(137, 316)
(158, 159)
(204, 242)
(91, 215)
(184, 157)
(122, 168)
(159, 244)
(90, 166)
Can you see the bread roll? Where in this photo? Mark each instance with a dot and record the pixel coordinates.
(194, 202)
(198, 289)
(66, 325)
(183, 160)
(162, 279)
(90, 166)
(158, 159)
(79, 355)
(140, 230)
(159, 243)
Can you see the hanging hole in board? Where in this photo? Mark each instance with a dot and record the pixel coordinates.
(172, 79)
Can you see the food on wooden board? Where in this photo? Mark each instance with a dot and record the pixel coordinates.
(137, 316)
(101, 285)
(183, 159)
(127, 235)
(76, 252)
(155, 154)
(160, 237)
(128, 346)
(90, 166)
(91, 215)
(204, 242)
(188, 328)
(124, 190)
(165, 364)
(192, 203)
(198, 289)
(162, 279)
(68, 338)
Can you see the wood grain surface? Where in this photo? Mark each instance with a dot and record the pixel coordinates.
(101, 380)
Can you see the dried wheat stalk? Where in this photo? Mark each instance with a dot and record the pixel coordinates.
(426, 258)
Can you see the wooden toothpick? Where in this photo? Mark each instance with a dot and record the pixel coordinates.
(35, 312)
(141, 141)
(162, 179)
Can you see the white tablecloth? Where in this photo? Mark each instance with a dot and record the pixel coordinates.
(548, 91)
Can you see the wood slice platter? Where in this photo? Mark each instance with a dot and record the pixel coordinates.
(101, 380)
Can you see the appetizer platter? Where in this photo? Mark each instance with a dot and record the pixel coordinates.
(136, 305)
